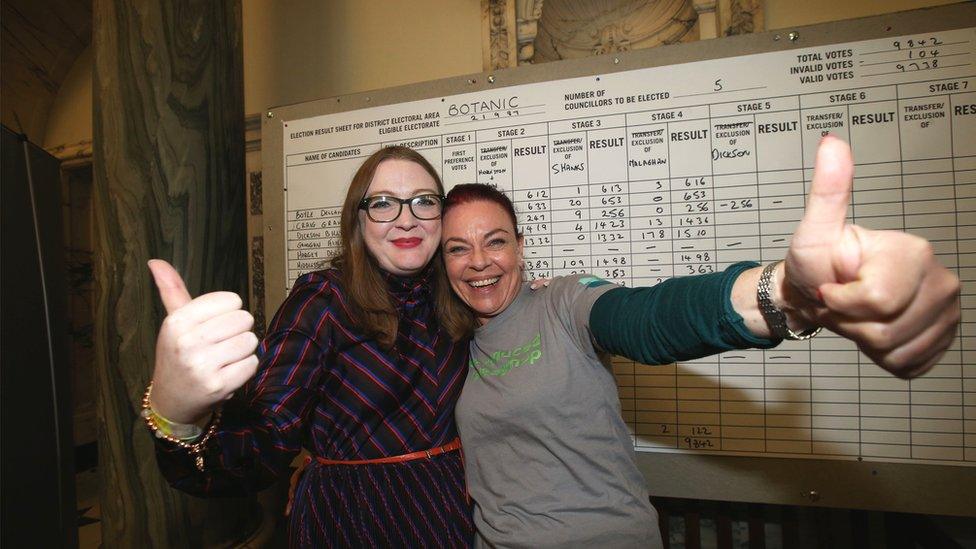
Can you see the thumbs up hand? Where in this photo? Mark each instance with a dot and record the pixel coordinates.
(885, 290)
(204, 351)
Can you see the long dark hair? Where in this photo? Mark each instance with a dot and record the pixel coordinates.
(373, 310)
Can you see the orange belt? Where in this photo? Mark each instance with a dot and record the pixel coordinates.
(449, 447)
(428, 454)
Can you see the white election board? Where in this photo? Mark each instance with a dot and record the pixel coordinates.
(643, 174)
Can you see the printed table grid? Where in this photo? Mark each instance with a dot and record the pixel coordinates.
(692, 190)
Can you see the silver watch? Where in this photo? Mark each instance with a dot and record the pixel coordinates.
(775, 317)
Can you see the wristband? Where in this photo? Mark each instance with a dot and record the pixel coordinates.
(168, 430)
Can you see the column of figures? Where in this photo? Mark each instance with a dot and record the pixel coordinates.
(870, 126)
(736, 217)
(312, 233)
(532, 196)
(693, 219)
(495, 159)
(927, 145)
(570, 200)
(654, 394)
(963, 107)
(609, 200)
(459, 153)
(785, 370)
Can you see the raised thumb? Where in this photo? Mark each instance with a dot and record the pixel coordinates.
(172, 290)
(830, 193)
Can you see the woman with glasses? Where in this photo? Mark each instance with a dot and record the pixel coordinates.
(362, 366)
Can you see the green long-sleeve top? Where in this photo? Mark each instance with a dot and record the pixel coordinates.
(679, 319)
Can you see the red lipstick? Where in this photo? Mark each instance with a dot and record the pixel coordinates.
(407, 242)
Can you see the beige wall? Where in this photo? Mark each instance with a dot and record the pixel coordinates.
(781, 14)
(297, 51)
(300, 50)
(70, 118)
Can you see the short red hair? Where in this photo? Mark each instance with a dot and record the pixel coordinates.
(479, 192)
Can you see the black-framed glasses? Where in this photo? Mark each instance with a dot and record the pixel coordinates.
(386, 209)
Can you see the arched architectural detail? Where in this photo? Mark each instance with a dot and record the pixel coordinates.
(741, 17)
(549, 30)
(498, 34)
(571, 29)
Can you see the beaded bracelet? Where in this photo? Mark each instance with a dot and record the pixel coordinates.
(187, 432)
(162, 428)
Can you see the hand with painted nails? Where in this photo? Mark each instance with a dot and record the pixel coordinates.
(540, 283)
(204, 351)
(884, 290)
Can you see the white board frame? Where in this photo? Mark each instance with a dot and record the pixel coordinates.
(900, 487)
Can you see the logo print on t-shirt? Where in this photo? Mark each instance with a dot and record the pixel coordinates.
(592, 281)
(500, 363)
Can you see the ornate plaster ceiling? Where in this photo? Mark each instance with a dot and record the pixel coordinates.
(39, 42)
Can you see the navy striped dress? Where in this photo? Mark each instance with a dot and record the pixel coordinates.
(323, 386)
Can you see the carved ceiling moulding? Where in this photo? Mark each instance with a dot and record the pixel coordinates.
(741, 17)
(537, 31)
(498, 34)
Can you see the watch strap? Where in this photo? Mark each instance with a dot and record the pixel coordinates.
(773, 315)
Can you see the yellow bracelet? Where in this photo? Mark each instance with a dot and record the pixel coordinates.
(164, 429)
(187, 432)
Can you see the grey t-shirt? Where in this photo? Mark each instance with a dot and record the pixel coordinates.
(548, 459)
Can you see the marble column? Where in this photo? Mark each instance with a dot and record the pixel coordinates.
(168, 171)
